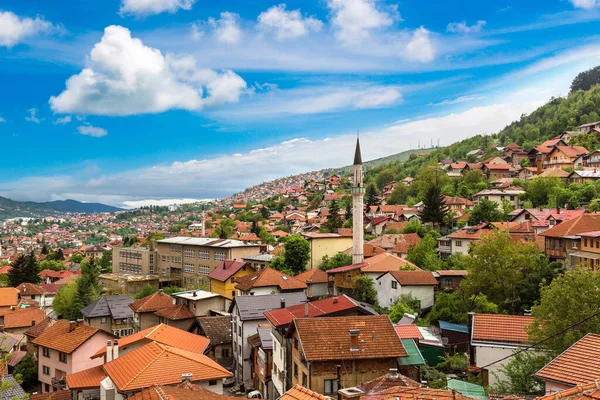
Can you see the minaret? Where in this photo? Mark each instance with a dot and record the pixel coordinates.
(358, 192)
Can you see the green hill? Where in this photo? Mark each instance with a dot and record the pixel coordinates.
(27, 209)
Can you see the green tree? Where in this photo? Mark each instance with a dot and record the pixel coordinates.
(586, 79)
(594, 206)
(399, 194)
(77, 258)
(454, 306)
(568, 299)
(147, 290)
(24, 269)
(106, 261)
(372, 195)
(485, 211)
(28, 370)
(65, 302)
(334, 222)
(539, 190)
(170, 290)
(296, 253)
(339, 260)
(53, 265)
(425, 255)
(383, 178)
(56, 255)
(44, 249)
(520, 374)
(364, 289)
(88, 287)
(434, 206)
(405, 304)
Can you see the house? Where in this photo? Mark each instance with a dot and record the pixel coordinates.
(111, 314)
(419, 285)
(455, 337)
(247, 312)
(9, 297)
(587, 255)
(298, 392)
(20, 320)
(497, 195)
(461, 240)
(222, 279)
(263, 260)
(493, 338)
(34, 293)
(261, 355)
(281, 319)
(496, 171)
(160, 333)
(268, 281)
(575, 366)
(325, 244)
(593, 160)
(388, 241)
(377, 225)
(178, 315)
(582, 176)
(457, 204)
(32, 333)
(562, 242)
(449, 278)
(477, 153)
(566, 157)
(554, 217)
(202, 303)
(218, 330)
(145, 308)
(368, 343)
(183, 391)
(316, 283)
(587, 128)
(65, 348)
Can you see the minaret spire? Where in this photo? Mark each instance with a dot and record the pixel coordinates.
(358, 192)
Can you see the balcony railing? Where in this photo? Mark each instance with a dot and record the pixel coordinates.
(59, 383)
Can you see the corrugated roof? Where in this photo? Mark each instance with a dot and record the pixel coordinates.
(453, 327)
(414, 355)
(254, 307)
(210, 242)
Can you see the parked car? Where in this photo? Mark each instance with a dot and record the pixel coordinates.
(255, 394)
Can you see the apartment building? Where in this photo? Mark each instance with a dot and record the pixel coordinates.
(134, 260)
(191, 259)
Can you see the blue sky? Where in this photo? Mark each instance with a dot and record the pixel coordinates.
(123, 101)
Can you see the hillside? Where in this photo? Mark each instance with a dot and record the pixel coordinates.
(398, 157)
(17, 209)
(75, 206)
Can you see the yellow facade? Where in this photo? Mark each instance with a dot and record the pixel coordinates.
(227, 288)
(328, 246)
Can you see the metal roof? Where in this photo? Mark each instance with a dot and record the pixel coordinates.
(116, 306)
(453, 327)
(414, 355)
(210, 242)
(254, 307)
(196, 295)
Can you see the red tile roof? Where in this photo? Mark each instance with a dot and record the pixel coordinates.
(377, 337)
(452, 272)
(582, 223)
(164, 334)
(409, 331)
(29, 289)
(183, 391)
(301, 393)
(269, 277)
(86, 379)
(314, 275)
(152, 303)
(24, 317)
(414, 278)
(501, 328)
(227, 269)
(414, 393)
(58, 395)
(589, 391)
(9, 297)
(176, 312)
(579, 364)
(61, 337)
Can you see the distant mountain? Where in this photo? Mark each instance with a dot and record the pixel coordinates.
(74, 206)
(402, 156)
(28, 209)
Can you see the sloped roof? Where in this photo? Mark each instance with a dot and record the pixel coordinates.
(409, 331)
(227, 269)
(269, 277)
(314, 275)
(377, 337)
(175, 312)
(183, 391)
(60, 336)
(589, 391)
(501, 328)
(583, 223)
(21, 318)
(58, 395)
(216, 329)
(160, 364)
(254, 307)
(87, 379)
(414, 278)
(385, 262)
(164, 334)
(577, 365)
(414, 393)
(301, 393)
(9, 296)
(39, 328)
(114, 306)
(29, 289)
(151, 303)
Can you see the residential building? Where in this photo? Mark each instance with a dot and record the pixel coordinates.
(132, 284)
(588, 253)
(223, 278)
(419, 285)
(247, 312)
(368, 343)
(562, 240)
(111, 314)
(566, 157)
(145, 308)
(325, 244)
(178, 316)
(20, 320)
(449, 279)
(95, 251)
(32, 333)
(586, 391)
(261, 356)
(496, 171)
(218, 331)
(9, 298)
(316, 283)
(494, 338)
(584, 175)
(135, 260)
(65, 348)
(34, 293)
(189, 260)
(202, 303)
(594, 159)
(587, 128)
(497, 195)
(268, 281)
(554, 217)
(455, 337)
(576, 366)
(183, 391)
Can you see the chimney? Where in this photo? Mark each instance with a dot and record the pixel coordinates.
(33, 322)
(471, 347)
(115, 349)
(186, 377)
(558, 209)
(109, 351)
(335, 300)
(72, 325)
(194, 294)
(282, 303)
(393, 373)
(306, 309)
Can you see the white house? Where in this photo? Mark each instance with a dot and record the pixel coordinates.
(416, 284)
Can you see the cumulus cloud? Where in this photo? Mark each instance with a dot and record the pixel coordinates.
(32, 116)
(462, 27)
(62, 121)
(125, 77)
(420, 47)
(227, 28)
(13, 29)
(585, 4)
(287, 24)
(354, 19)
(149, 7)
(92, 131)
(196, 32)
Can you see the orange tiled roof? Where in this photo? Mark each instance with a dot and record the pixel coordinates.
(314, 275)
(183, 391)
(408, 331)
(86, 379)
(385, 262)
(589, 391)
(301, 393)
(579, 364)
(501, 328)
(269, 277)
(414, 393)
(178, 311)
(58, 395)
(583, 223)
(23, 317)
(414, 278)
(39, 328)
(154, 302)
(29, 289)
(60, 336)
(377, 337)
(160, 364)
(9, 297)
(164, 334)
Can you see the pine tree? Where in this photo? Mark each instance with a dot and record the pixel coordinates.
(44, 249)
(372, 195)
(88, 287)
(334, 222)
(434, 206)
(24, 269)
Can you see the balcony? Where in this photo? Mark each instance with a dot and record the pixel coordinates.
(59, 384)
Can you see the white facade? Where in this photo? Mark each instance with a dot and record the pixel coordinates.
(259, 291)
(241, 330)
(461, 246)
(487, 353)
(318, 289)
(358, 192)
(278, 372)
(389, 290)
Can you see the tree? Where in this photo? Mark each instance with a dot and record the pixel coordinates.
(454, 306)
(434, 205)
(147, 290)
(338, 260)
(568, 299)
(334, 222)
(88, 287)
(485, 211)
(44, 249)
(405, 304)
(106, 261)
(425, 255)
(77, 258)
(170, 290)
(53, 265)
(65, 302)
(24, 269)
(539, 190)
(56, 255)
(586, 79)
(372, 195)
(296, 253)
(399, 194)
(364, 289)
(520, 374)
(594, 206)
(28, 370)
(383, 178)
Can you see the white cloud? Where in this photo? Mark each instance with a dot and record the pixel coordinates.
(462, 27)
(420, 47)
(585, 4)
(227, 29)
(460, 99)
(32, 116)
(125, 77)
(161, 202)
(149, 7)
(13, 29)
(196, 32)
(354, 19)
(2, 119)
(92, 131)
(287, 24)
(62, 121)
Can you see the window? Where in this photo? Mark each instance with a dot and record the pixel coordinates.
(189, 268)
(62, 357)
(203, 270)
(240, 331)
(394, 285)
(45, 370)
(46, 351)
(458, 243)
(448, 282)
(331, 386)
(585, 242)
(103, 320)
(220, 256)
(296, 343)
(203, 255)
(224, 353)
(188, 254)
(295, 370)
(574, 244)
(304, 380)
(212, 382)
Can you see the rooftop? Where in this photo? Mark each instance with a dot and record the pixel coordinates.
(269, 277)
(64, 336)
(227, 269)
(254, 307)
(196, 295)
(115, 306)
(208, 242)
(151, 303)
(501, 328)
